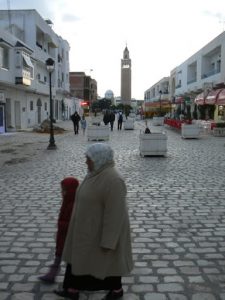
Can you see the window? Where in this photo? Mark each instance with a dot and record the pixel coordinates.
(27, 64)
(4, 57)
(31, 105)
(46, 106)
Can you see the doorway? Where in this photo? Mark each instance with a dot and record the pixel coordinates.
(17, 115)
(39, 105)
(2, 118)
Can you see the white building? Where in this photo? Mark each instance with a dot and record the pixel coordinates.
(202, 74)
(26, 42)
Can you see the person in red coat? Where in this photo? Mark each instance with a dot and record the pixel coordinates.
(68, 186)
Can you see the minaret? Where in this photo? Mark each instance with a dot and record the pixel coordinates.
(126, 78)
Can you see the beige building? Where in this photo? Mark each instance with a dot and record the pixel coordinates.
(126, 77)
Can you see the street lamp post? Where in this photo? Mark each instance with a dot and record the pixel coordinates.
(160, 104)
(50, 67)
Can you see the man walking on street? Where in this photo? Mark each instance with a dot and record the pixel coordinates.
(111, 119)
(75, 119)
(120, 120)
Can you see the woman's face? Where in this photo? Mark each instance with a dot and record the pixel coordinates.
(90, 164)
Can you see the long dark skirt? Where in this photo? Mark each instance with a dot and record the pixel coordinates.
(90, 283)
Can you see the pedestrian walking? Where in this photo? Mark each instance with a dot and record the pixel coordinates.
(68, 187)
(83, 124)
(120, 120)
(98, 244)
(111, 119)
(75, 119)
(106, 118)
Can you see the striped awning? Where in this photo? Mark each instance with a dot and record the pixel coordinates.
(221, 98)
(212, 96)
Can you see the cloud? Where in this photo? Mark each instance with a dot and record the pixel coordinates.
(216, 15)
(70, 18)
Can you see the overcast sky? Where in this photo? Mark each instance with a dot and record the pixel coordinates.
(160, 35)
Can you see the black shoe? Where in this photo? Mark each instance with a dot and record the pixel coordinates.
(113, 295)
(66, 294)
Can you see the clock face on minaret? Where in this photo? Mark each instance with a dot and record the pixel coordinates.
(126, 66)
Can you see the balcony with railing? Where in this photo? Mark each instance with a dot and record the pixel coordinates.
(191, 81)
(210, 73)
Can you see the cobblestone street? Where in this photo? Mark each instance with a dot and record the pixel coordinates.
(176, 205)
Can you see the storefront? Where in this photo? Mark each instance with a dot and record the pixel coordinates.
(212, 105)
(221, 106)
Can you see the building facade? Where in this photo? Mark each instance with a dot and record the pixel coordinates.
(83, 87)
(26, 42)
(126, 78)
(198, 84)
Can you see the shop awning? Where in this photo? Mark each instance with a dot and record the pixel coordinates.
(221, 98)
(200, 99)
(212, 96)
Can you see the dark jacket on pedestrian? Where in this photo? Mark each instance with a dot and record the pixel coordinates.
(75, 118)
(111, 117)
(106, 118)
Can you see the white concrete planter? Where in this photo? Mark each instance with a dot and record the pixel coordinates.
(96, 121)
(158, 121)
(190, 131)
(98, 133)
(128, 124)
(132, 115)
(153, 144)
(218, 131)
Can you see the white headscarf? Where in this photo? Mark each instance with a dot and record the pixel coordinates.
(101, 154)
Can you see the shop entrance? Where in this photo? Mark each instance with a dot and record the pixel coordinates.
(2, 118)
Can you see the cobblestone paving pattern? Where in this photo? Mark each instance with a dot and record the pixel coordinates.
(176, 205)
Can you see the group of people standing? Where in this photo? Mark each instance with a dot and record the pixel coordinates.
(93, 236)
(109, 117)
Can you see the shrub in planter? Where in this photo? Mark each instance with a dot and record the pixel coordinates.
(220, 125)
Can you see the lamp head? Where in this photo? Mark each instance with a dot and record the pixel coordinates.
(50, 64)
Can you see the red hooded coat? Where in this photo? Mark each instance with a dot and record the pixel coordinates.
(69, 186)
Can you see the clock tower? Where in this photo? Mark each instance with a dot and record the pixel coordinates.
(126, 77)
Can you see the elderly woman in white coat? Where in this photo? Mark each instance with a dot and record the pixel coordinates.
(98, 244)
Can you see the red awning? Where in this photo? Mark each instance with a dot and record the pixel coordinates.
(200, 99)
(221, 98)
(212, 96)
